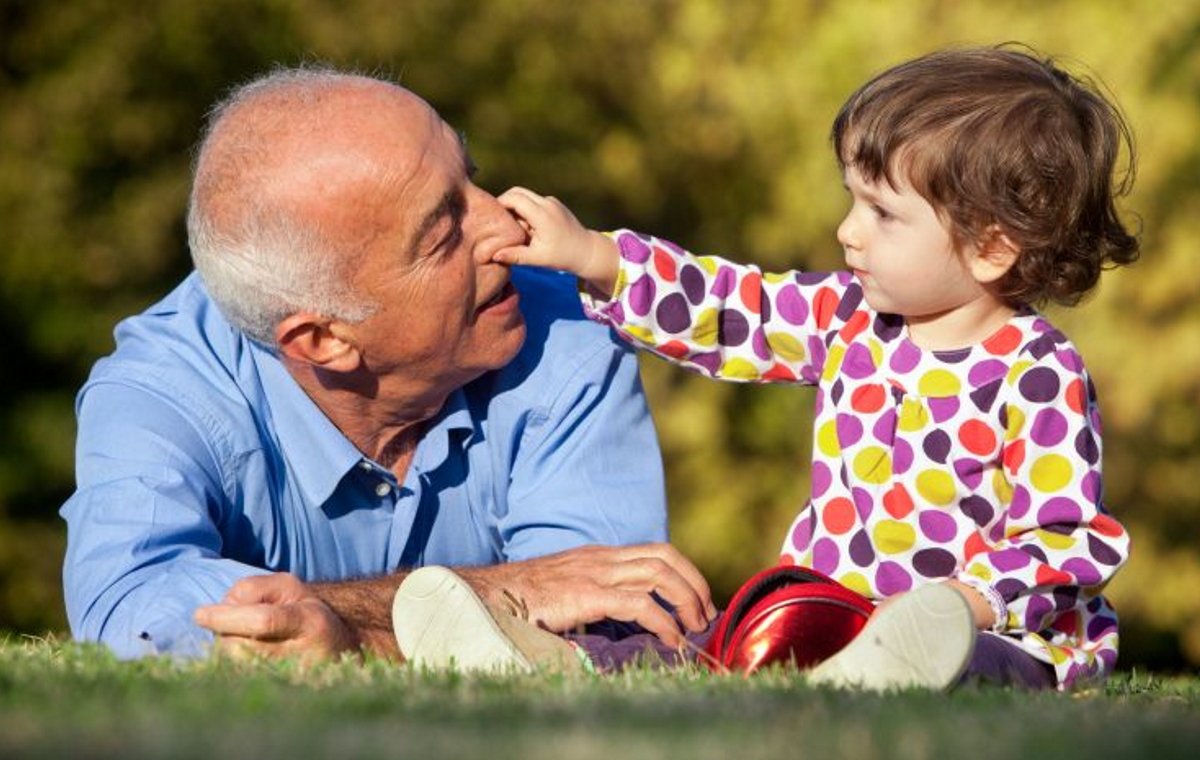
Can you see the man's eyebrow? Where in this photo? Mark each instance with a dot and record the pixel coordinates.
(445, 206)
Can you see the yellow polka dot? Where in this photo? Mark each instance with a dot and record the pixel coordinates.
(775, 277)
(1058, 654)
(913, 416)
(1016, 423)
(708, 263)
(1016, 370)
(827, 439)
(1050, 473)
(980, 570)
(833, 362)
(893, 537)
(645, 335)
(705, 331)
(1055, 540)
(786, 347)
(873, 465)
(619, 287)
(936, 487)
(938, 383)
(739, 369)
(1013, 620)
(856, 582)
(876, 349)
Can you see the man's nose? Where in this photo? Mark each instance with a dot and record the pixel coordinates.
(495, 227)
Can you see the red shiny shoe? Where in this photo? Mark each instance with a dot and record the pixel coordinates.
(788, 615)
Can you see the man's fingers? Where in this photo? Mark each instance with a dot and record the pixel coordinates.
(265, 622)
(275, 588)
(650, 615)
(672, 577)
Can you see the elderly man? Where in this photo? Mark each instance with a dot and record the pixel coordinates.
(351, 388)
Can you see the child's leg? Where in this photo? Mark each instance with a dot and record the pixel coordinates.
(998, 661)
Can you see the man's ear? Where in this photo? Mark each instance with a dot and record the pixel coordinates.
(995, 253)
(317, 340)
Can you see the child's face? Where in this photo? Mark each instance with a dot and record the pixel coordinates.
(902, 251)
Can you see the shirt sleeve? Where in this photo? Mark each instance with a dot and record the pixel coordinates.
(587, 468)
(1052, 545)
(142, 541)
(725, 320)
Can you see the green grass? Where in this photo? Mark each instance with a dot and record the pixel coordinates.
(67, 700)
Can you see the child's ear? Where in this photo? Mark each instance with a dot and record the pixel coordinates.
(316, 340)
(995, 253)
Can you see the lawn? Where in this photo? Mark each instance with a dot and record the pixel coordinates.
(66, 700)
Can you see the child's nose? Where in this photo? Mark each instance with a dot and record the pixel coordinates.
(846, 233)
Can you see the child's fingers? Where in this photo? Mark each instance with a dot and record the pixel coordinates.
(526, 205)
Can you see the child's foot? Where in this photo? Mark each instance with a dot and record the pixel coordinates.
(922, 640)
(440, 623)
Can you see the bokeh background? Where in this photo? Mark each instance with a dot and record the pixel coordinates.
(701, 120)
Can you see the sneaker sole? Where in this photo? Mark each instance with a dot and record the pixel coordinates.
(924, 639)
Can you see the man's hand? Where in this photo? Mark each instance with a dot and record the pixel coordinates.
(276, 616)
(557, 240)
(562, 591)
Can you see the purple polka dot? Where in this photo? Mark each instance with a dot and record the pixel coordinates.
(1107, 656)
(710, 362)
(849, 429)
(1084, 571)
(820, 478)
(633, 249)
(1070, 360)
(863, 503)
(1019, 506)
(1036, 613)
(758, 341)
(943, 408)
(1035, 551)
(616, 313)
(641, 295)
(1101, 625)
(996, 533)
(816, 351)
(884, 428)
(819, 402)
(1049, 428)
(862, 552)
(978, 509)
(858, 362)
(692, 281)
(1090, 487)
(811, 278)
(1064, 598)
(986, 371)
(732, 328)
(791, 305)
(934, 563)
(836, 391)
(1039, 385)
(851, 297)
(1102, 552)
(802, 532)
(969, 471)
(1007, 560)
(902, 457)
(888, 327)
(954, 356)
(1059, 510)
(724, 283)
(1086, 447)
(905, 358)
(1011, 588)
(673, 314)
(937, 526)
(891, 579)
(984, 396)
(825, 556)
(937, 445)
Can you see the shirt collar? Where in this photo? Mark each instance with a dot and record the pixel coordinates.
(319, 453)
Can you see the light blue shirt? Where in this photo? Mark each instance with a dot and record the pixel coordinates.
(201, 461)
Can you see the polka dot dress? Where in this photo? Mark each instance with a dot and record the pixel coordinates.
(980, 464)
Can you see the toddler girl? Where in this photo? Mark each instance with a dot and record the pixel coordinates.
(957, 436)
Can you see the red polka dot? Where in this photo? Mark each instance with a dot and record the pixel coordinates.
(780, 373)
(664, 264)
(868, 398)
(1075, 396)
(856, 324)
(1014, 456)
(975, 545)
(977, 437)
(825, 303)
(750, 289)
(1003, 341)
(1048, 576)
(786, 559)
(1106, 526)
(674, 349)
(838, 516)
(897, 502)
(1067, 623)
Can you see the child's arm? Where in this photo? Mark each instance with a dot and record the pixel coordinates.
(558, 241)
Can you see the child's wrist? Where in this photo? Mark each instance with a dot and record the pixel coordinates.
(602, 263)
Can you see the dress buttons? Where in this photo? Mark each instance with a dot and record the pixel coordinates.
(383, 489)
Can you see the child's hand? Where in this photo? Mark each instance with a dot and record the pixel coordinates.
(558, 241)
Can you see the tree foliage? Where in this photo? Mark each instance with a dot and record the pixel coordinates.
(701, 120)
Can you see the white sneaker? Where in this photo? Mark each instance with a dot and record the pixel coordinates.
(441, 623)
(922, 640)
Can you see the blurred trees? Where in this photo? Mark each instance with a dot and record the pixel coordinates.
(701, 120)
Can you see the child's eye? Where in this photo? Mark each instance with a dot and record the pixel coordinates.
(881, 213)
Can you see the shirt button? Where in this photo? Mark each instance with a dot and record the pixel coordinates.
(383, 489)
(365, 466)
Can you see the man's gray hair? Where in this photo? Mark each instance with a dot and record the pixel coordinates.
(260, 260)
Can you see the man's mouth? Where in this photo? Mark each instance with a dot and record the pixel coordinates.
(502, 295)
